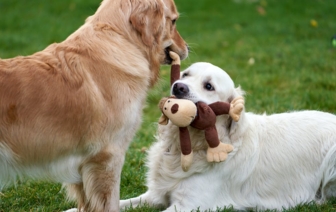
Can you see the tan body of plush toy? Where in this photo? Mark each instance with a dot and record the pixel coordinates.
(184, 113)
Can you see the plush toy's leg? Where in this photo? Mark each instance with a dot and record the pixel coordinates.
(187, 154)
(211, 136)
(217, 151)
(186, 161)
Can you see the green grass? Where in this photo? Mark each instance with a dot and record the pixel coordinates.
(294, 69)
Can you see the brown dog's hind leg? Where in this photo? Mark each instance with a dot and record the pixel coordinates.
(75, 192)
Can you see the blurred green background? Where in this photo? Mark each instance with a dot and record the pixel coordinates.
(278, 51)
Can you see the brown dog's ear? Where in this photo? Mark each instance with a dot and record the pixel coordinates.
(147, 17)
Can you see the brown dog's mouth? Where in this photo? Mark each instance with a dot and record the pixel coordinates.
(168, 60)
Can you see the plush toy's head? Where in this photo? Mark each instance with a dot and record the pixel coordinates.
(181, 112)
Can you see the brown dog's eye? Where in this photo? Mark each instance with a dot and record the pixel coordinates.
(174, 21)
(165, 108)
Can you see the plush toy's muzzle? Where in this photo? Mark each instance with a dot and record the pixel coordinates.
(181, 112)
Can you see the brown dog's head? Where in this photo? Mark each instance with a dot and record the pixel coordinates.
(147, 25)
(155, 22)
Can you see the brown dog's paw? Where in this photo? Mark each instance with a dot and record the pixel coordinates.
(219, 153)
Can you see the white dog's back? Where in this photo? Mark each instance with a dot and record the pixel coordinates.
(283, 160)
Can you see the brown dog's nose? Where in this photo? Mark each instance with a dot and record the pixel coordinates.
(180, 90)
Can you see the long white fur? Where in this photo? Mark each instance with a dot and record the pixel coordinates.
(279, 160)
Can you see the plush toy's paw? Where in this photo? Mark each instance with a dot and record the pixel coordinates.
(175, 57)
(219, 153)
(237, 106)
(186, 161)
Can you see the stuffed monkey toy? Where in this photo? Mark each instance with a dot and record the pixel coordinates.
(183, 112)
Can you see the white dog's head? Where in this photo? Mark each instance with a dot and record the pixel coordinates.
(205, 82)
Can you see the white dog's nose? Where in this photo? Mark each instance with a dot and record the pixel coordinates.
(180, 90)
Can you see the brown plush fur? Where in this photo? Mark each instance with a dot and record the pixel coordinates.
(69, 112)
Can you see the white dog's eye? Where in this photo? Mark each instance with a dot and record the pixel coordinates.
(184, 75)
(209, 87)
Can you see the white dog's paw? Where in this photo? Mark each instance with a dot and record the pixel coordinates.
(72, 210)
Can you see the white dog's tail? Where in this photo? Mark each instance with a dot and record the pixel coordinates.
(328, 171)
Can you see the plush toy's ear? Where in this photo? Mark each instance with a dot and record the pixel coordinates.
(162, 102)
(163, 120)
(147, 18)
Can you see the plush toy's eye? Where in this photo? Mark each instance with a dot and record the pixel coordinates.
(168, 101)
(165, 108)
(209, 87)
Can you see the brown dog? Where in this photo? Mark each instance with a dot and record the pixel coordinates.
(68, 113)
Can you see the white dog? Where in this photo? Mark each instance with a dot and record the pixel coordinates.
(278, 161)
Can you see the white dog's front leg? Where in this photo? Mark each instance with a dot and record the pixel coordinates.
(146, 198)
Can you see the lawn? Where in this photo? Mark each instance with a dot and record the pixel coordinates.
(278, 51)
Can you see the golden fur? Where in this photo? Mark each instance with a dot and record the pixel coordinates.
(69, 112)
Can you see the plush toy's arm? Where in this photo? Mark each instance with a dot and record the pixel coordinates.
(174, 74)
(234, 109)
(175, 57)
(175, 68)
(237, 106)
(220, 108)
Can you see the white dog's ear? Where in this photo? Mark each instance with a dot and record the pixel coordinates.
(147, 17)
